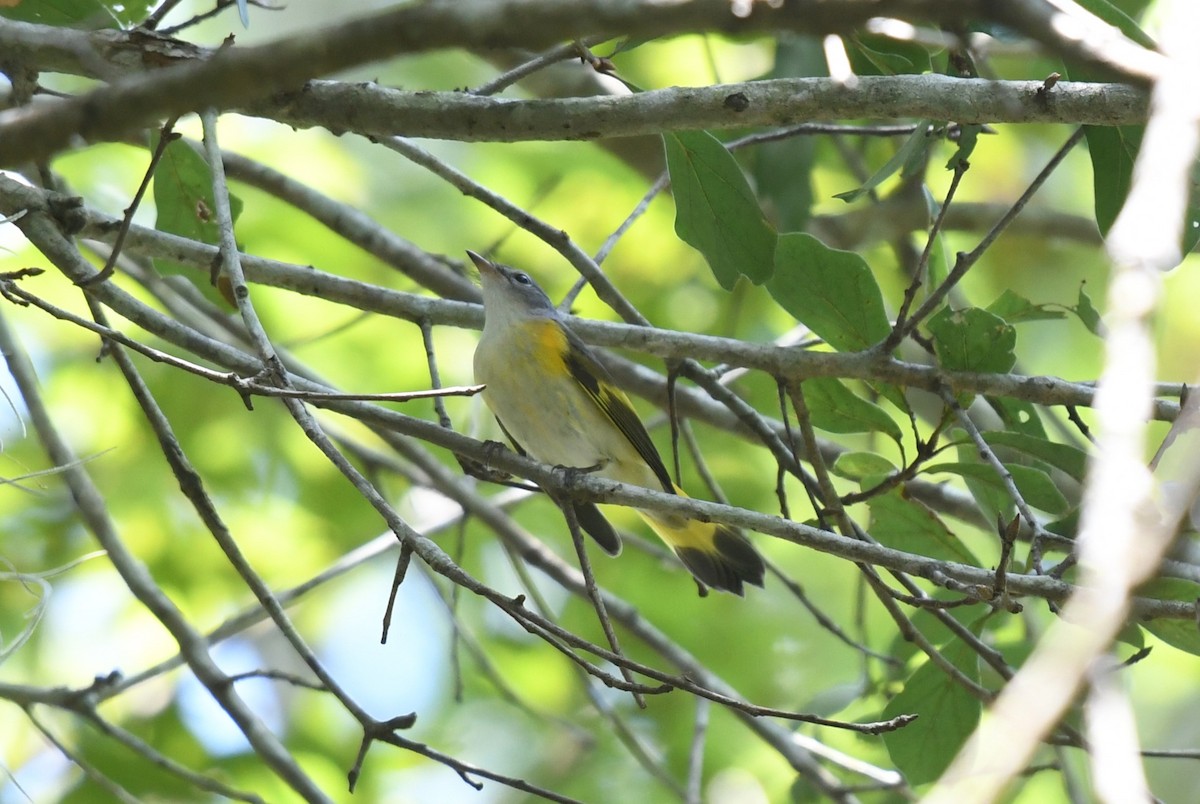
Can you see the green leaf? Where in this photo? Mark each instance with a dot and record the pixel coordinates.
(837, 409)
(914, 148)
(947, 715)
(1181, 634)
(906, 524)
(1115, 16)
(893, 394)
(928, 623)
(87, 14)
(1018, 415)
(994, 501)
(1014, 308)
(1130, 8)
(832, 292)
(1035, 485)
(787, 195)
(1067, 526)
(1132, 635)
(715, 210)
(1038, 489)
(1088, 313)
(629, 44)
(1191, 220)
(91, 14)
(1064, 457)
(1113, 150)
(861, 465)
(938, 267)
(968, 136)
(132, 12)
(872, 54)
(183, 195)
(973, 340)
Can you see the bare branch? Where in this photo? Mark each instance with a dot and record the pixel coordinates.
(375, 111)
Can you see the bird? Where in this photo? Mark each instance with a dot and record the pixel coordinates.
(556, 402)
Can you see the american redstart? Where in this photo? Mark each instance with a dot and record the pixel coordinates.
(558, 404)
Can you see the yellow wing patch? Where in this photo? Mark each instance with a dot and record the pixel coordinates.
(551, 349)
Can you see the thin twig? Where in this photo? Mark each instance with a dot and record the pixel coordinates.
(553, 236)
(165, 137)
(555, 55)
(245, 386)
(593, 593)
(92, 508)
(965, 261)
(886, 596)
(1008, 537)
(139, 746)
(935, 230)
(435, 379)
(467, 771)
(695, 772)
(403, 558)
(988, 456)
(220, 6)
(94, 774)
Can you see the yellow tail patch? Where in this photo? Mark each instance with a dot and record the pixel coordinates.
(717, 555)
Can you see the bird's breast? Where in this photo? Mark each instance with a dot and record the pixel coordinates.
(545, 409)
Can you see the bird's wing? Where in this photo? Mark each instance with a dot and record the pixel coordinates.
(595, 379)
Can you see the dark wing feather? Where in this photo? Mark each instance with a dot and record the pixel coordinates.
(517, 447)
(588, 372)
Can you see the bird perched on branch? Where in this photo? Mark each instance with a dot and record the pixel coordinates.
(558, 404)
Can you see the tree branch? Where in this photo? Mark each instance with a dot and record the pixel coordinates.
(233, 77)
(92, 509)
(39, 227)
(377, 111)
(780, 361)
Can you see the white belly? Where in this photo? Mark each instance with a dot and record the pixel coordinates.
(553, 419)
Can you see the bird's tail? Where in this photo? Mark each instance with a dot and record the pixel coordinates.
(595, 525)
(717, 555)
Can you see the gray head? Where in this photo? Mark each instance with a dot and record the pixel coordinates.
(509, 294)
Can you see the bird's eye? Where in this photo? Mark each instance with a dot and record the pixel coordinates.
(522, 279)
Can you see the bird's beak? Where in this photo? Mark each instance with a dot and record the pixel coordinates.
(484, 265)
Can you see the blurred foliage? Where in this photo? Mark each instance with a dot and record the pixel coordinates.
(516, 706)
(89, 14)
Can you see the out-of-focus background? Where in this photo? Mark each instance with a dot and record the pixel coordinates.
(484, 690)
